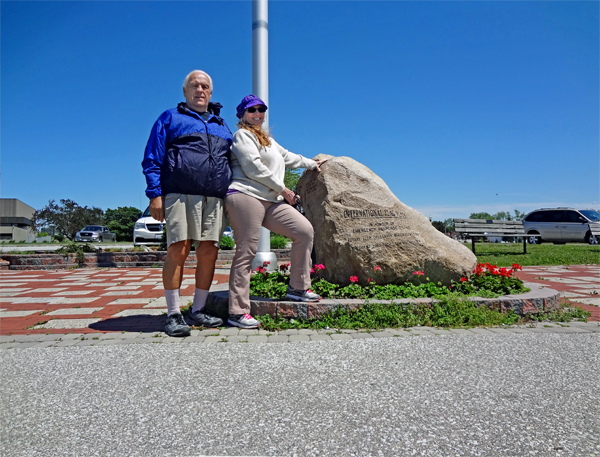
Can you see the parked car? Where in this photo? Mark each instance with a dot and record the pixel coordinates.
(95, 233)
(561, 225)
(147, 230)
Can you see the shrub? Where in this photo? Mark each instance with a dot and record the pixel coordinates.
(227, 243)
(78, 249)
(279, 241)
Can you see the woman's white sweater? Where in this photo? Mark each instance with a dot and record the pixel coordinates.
(259, 171)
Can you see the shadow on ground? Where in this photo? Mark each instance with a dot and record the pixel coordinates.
(146, 324)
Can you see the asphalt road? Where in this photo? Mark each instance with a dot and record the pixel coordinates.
(482, 395)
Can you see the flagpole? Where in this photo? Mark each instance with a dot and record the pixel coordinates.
(260, 88)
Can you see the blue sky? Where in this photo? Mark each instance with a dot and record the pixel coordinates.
(459, 106)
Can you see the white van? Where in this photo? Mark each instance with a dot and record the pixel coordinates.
(147, 230)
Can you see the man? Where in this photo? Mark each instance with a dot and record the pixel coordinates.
(186, 164)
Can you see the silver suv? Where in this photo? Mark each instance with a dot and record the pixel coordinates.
(561, 225)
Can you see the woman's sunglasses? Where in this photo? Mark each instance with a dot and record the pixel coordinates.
(260, 109)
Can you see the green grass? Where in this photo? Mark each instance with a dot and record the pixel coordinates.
(449, 312)
(504, 255)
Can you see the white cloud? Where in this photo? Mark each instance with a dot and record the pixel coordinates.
(441, 212)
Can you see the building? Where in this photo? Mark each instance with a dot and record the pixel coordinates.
(16, 221)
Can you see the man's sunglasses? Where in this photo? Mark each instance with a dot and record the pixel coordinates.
(260, 109)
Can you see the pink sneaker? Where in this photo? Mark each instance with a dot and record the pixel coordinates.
(243, 321)
(302, 295)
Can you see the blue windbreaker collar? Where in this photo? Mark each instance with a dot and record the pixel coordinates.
(206, 116)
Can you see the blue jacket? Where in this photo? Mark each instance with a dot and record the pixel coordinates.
(187, 153)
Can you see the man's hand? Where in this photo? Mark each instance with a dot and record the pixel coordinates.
(289, 196)
(157, 208)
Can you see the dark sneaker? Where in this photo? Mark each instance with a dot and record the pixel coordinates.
(205, 320)
(175, 326)
(302, 295)
(243, 321)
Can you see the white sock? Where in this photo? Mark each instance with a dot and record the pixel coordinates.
(172, 297)
(199, 300)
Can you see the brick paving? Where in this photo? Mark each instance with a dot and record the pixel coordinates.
(128, 303)
(579, 284)
(88, 301)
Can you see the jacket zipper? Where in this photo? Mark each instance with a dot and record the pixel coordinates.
(210, 156)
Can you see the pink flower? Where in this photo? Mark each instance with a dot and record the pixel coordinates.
(312, 270)
(266, 264)
(418, 273)
(377, 268)
(353, 279)
(319, 267)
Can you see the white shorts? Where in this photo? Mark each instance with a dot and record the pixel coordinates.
(194, 217)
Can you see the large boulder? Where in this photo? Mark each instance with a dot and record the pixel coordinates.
(359, 224)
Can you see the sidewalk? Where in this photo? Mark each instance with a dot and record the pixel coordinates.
(130, 301)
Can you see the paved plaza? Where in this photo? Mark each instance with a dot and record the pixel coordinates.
(96, 305)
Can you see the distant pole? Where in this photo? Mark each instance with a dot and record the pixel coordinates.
(260, 88)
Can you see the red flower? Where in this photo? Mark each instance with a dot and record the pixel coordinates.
(377, 268)
(353, 279)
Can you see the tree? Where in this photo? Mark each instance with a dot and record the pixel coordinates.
(290, 180)
(519, 215)
(121, 221)
(502, 216)
(480, 216)
(449, 223)
(439, 225)
(67, 218)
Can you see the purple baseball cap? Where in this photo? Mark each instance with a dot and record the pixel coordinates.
(247, 102)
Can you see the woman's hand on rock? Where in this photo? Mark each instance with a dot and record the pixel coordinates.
(319, 163)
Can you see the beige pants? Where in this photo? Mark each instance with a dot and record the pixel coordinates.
(247, 214)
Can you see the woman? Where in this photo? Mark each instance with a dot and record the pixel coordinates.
(256, 198)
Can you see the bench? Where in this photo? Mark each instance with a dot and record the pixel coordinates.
(475, 228)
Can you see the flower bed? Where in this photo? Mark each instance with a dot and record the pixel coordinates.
(486, 281)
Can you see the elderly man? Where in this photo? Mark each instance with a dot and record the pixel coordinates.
(186, 164)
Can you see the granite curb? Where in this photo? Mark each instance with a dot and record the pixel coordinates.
(226, 335)
(539, 298)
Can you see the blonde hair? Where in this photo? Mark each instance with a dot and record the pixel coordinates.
(264, 138)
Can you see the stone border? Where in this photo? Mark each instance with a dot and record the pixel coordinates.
(538, 299)
(235, 335)
(50, 261)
